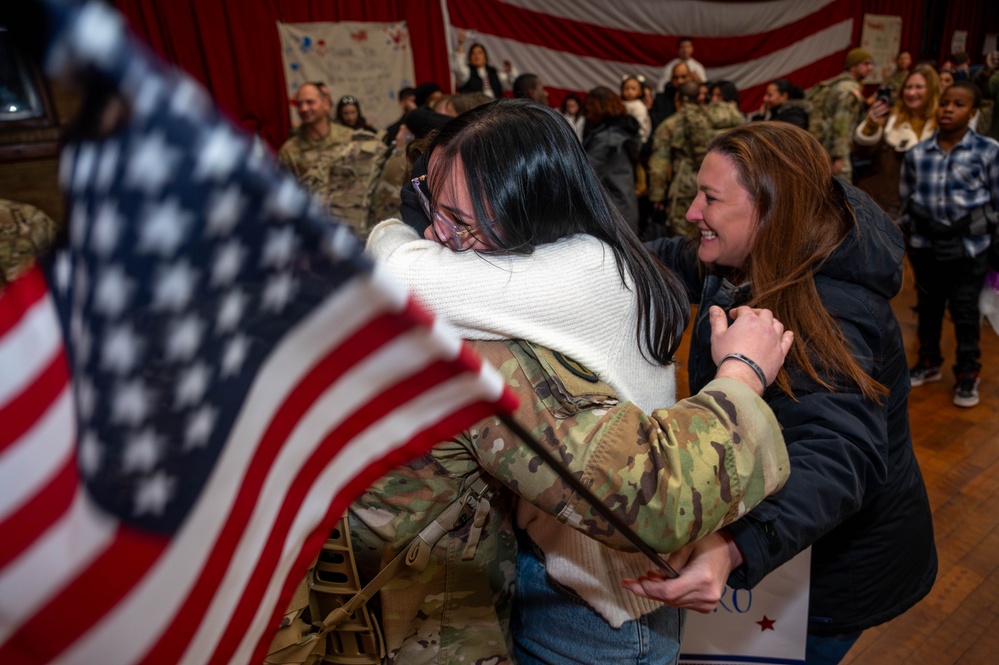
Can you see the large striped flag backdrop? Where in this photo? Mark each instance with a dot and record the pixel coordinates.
(576, 45)
(214, 374)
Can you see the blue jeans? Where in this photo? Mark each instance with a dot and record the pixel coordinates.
(551, 625)
(828, 650)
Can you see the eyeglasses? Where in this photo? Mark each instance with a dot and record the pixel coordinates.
(455, 237)
(347, 99)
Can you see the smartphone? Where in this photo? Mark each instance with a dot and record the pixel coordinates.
(884, 95)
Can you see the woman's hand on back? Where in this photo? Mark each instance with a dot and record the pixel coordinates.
(754, 334)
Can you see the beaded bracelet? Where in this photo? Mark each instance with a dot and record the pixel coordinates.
(749, 361)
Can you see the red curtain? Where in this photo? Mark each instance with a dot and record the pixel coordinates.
(975, 17)
(232, 46)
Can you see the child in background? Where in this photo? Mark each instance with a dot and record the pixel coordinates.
(950, 193)
(631, 93)
(572, 111)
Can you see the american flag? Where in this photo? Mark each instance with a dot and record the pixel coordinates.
(575, 46)
(198, 386)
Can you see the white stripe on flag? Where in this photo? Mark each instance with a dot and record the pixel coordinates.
(680, 17)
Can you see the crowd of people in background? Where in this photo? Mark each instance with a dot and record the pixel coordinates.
(481, 203)
(684, 169)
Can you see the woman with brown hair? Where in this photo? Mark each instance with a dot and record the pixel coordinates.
(611, 141)
(778, 231)
(886, 133)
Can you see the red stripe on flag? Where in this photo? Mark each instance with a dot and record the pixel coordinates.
(21, 413)
(19, 296)
(82, 603)
(39, 512)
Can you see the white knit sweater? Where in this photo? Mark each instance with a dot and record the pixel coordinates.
(567, 296)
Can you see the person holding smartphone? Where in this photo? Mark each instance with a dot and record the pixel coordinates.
(888, 131)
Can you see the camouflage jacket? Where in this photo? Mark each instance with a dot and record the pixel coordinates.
(678, 150)
(342, 168)
(676, 475)
(25, 233)
(660, 161)
(842, 107)
(895, 82)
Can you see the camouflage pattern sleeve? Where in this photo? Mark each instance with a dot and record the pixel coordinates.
(288, 156)
(675, 475)
(843, 106)
(25, 233)
(659, 161)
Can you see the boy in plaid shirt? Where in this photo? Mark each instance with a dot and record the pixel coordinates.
(950, 191)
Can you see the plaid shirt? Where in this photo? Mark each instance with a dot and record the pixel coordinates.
(952, 184)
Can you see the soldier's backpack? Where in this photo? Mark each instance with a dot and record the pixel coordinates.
(818, 122)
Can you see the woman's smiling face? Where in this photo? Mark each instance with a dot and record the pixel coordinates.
(724, 212)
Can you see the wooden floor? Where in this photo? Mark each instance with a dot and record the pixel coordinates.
(958, 451)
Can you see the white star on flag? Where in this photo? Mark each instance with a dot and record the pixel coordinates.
(164, 228)
(142, 451)
(153, 494)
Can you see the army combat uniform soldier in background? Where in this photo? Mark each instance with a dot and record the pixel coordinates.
(678, 148)
(836, 110)
(25, 233)
(340, 164)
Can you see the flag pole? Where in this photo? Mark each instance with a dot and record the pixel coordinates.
(577, 486)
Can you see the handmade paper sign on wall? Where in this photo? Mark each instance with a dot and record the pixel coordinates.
(368, 61)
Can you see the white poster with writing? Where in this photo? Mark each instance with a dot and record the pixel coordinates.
(367, 61)
(959, 41)
(882, 36)
(766, 625)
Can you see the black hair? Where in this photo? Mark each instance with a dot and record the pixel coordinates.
(347, 100)
(524, 84)
(579, 104)
(406, 92)
(785, 87)
(971, 87)
(472, 48)
(729, 92)
(525, 169)
(689, 91)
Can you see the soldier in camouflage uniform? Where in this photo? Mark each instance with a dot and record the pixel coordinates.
(674, 476)
(339, 164)
(25, 233)
(902, 65)
(841, 110)
(679, 145)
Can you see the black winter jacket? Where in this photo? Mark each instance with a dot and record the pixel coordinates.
(855, 493)
(612, 149)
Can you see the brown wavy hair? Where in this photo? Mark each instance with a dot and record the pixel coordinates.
(602, 103)
(802, 217)
(927, 114)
